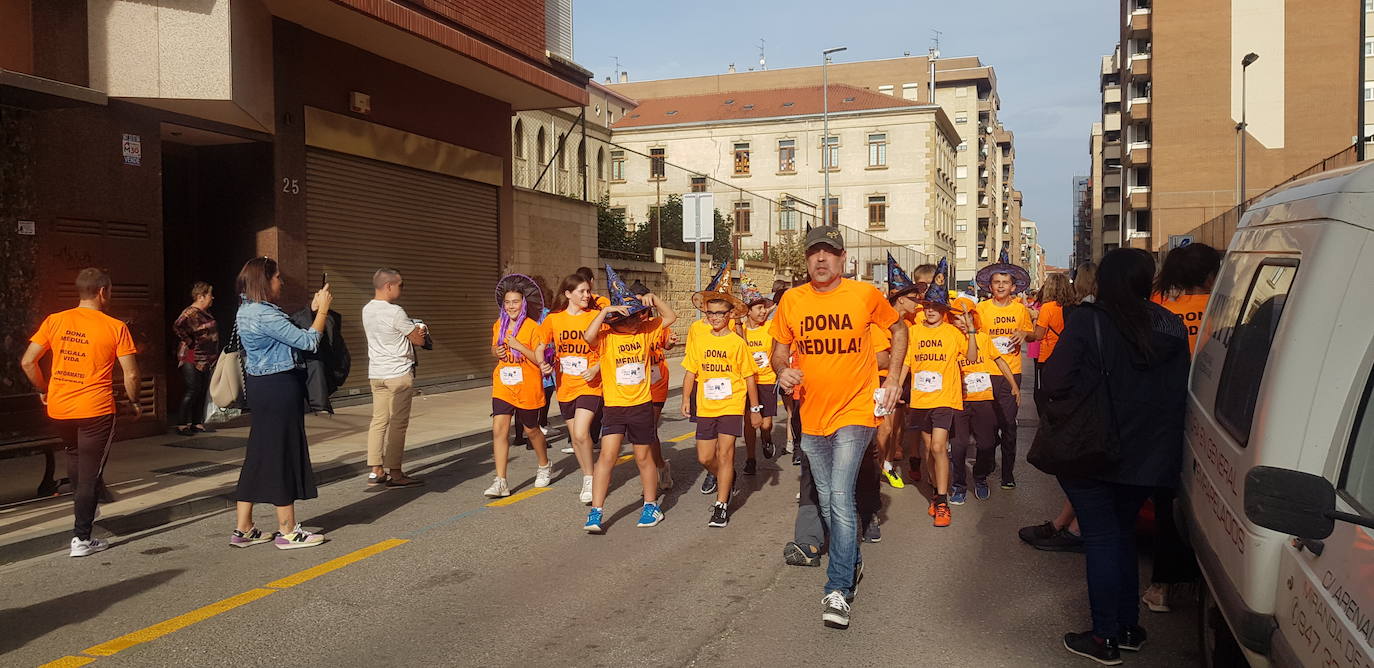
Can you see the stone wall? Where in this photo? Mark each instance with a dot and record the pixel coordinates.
(553, 237)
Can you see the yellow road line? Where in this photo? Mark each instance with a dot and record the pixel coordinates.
(533, 491)
(335, 564)
(683, 437)
(68, 662)
(176, 623)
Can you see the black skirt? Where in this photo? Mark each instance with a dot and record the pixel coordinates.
(276, 469)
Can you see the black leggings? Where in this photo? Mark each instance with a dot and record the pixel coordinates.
(193, 399)
(87, 442)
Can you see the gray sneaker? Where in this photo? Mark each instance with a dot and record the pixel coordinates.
(83, 548)
(835, 611)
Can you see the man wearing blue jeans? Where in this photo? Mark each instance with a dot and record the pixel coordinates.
(827, 323)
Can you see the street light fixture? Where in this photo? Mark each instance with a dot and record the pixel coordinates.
(825, 128)
(1242, 128)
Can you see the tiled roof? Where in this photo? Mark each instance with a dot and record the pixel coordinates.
(770, 103)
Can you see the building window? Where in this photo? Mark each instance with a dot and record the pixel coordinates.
(1369, 47)
(886, 89)
(909, 91)
(601, 164)
(963, 146)
(877, 211)
(742, 157)
(961, 199)
(1368, 6)
(742, 210)
(834, 211)
(961, 172)
(658, 158)
(1142, 221)
(830, 152)
(518, 138)
(541, 147)
(617, 165)
(877, 149)
(789, 217)
(961, 227)
(1369, 90)
(787, 155)
(698, 184)
(961, 117)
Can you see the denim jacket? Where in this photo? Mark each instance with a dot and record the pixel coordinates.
(270, 340)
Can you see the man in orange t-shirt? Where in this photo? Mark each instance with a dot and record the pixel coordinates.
(80, 392)
(827, 322)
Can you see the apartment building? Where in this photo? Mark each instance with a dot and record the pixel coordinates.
(1174, 94)
(1032, 256)
(567, 151)
(172, 141)
(891, 162)
(1087, 213)
(987, 204)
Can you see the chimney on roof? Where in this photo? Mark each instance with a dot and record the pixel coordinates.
(624, 77)
(730, 69)
(608, 79)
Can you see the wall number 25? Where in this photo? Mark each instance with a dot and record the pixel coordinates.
(291, 186)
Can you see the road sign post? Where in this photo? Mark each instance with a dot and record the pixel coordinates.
(698, 224)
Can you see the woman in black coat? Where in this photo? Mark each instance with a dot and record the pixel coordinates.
(1145, 351)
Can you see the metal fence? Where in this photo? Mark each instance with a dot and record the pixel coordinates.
(1218, 231)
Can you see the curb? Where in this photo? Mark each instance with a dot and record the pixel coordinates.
(221, 499)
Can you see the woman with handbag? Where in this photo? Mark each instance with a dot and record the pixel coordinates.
(1121, 365)
(276, 469)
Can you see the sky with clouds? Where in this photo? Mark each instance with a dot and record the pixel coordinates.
(1046, 55)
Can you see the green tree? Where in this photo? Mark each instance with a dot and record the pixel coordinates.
(787, 255)
(613, 234)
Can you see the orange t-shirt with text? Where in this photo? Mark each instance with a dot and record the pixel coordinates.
(564, 332)
(658, 359)
(1052, 319)
(830, 334)
(625, 364)
(759, 341)
(1000, 322)
(932, 359)
(1188, 307)
(722, 365)
(978, 375)
(85, 344)
(519, 384)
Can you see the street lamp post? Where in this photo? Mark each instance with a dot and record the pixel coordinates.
(1242, 127)
(825, 128)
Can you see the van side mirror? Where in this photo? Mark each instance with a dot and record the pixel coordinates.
(1292, 502)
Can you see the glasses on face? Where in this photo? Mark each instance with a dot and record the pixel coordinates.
(717, 314)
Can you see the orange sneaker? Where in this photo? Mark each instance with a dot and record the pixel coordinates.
(931, 510)
(942, 515)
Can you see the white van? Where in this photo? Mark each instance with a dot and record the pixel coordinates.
(1278, 470)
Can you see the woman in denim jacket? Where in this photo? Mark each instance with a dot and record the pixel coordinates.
(277, 468)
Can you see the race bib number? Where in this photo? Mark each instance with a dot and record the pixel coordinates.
(1005, 345)
(717, 389)
(761, 359)
(630, 374)
(512, 375)
(656, 374)
(977, 382)
(927, 381)
(575, 366)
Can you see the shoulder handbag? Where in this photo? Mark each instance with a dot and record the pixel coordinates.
(227, 383)
(1078, 435)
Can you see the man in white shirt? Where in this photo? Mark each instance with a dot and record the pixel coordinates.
(391, 340)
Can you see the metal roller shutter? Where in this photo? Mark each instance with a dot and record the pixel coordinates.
(439, 231)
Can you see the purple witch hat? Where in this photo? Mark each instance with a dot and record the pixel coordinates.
(898, 282)
(621, 296)
(937, 293)
(714, 285)
(534, 305)
(1020, 278)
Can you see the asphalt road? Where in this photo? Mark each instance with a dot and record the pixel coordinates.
(521, 584)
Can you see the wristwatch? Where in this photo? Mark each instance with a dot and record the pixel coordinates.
(756, 409)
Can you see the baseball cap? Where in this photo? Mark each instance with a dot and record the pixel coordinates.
(825, 234)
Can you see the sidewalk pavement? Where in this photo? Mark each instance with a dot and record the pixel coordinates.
(163, 479)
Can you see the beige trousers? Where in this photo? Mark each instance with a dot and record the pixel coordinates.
(386, 438)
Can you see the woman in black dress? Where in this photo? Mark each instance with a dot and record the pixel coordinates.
(276, 469)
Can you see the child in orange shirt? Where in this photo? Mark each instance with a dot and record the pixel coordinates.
(759, 343)
(517, 382)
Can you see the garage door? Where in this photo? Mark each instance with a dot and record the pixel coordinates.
(439, 231)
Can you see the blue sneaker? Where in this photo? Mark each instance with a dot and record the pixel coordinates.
(958, 496)
(651, 515)
(593, 524)
(980, 490)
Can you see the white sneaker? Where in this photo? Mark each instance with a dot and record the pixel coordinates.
(541, 477)
(498, 488)
(586, 495)
(665, 476)
(544, 431)
(568, 450)
(82, 548)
